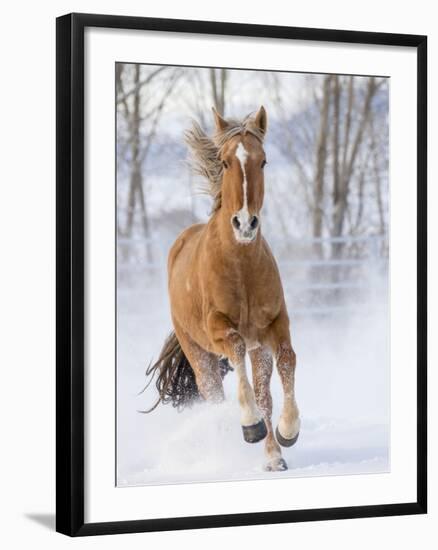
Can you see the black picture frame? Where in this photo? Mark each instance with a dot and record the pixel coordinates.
(70, 272)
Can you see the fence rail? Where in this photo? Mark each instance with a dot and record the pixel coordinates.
(313, 285)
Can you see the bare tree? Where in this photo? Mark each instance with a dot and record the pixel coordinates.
(218, 81)
(377, 178)
(321, 161)
(141, 114)
(336, 179)
(340, 204)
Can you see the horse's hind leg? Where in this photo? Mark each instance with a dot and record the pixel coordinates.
(205, 365)
(227, 341)
(261, 360)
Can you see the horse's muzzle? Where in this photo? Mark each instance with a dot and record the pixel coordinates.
(245, 230)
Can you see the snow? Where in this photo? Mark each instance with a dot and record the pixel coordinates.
(342, 389)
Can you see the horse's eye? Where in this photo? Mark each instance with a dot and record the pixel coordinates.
(225, 164)
(264, 163)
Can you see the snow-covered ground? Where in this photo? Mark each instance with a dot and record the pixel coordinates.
(342, 387)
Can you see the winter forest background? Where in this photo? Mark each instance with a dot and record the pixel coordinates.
(325, 216)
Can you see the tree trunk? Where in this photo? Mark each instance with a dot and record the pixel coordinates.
(336, 98)
(321, 156)
(377, 180)
(218, 81)
(135, 179)
(136, 192)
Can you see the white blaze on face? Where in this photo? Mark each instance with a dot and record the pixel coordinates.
(242, 155)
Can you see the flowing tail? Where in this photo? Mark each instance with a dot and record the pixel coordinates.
(175, 379)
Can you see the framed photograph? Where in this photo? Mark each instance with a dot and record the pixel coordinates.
(241, 274)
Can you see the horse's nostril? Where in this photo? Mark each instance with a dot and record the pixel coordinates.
(235, 221)
(254, 222)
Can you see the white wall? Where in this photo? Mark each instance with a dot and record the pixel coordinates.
(27, 286)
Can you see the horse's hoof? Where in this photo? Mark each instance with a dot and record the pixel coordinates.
(285, 442)
(255, 433)
(276, 465)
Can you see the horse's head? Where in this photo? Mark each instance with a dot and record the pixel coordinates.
(243, 159)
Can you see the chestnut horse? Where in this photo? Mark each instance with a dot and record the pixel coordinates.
(226, 294)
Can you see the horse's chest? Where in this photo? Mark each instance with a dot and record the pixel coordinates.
(251, 311)
(250, 299)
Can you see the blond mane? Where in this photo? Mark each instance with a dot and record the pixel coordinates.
(205, 153)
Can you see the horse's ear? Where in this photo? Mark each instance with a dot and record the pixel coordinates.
(221, 123)
(261, 120)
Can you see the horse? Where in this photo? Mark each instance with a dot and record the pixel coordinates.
(226, 295)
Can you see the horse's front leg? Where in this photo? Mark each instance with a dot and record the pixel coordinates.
(262, 363)
(289, 424)
(227, 341)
